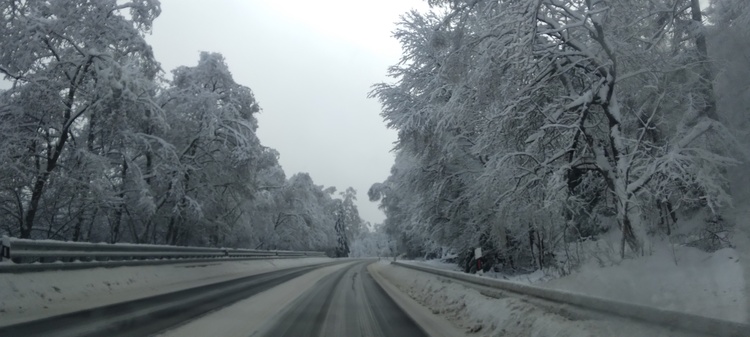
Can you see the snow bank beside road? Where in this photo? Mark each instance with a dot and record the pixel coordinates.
(429, 321)
(508, 316)
(439, 264)
(535, 277)
(29, 296)
(685, 280)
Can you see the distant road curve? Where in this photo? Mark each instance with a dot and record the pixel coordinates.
(348, 303)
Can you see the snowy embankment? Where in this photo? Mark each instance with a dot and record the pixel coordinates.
(682, 279)
(685, 280)
(481, 315)
(740, 184)
(676, 277)
(29, 296)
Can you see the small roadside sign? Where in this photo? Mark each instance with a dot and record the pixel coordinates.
(477, 253)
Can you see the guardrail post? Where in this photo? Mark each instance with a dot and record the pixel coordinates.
(5, 248)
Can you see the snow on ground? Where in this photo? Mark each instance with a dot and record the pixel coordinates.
(29, 296)
(671, 277)
(245, 317)
(480, 315)
(686, 280)
(740, 213)
(432, 324)
(439, 264)
(534, 277)
(675, 278)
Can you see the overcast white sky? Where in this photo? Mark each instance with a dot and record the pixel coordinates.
(310, 65)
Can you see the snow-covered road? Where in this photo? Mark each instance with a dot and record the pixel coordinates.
(351, 299)
(31, 296)
(147, 316)
(333, 298)
(347, 302)
(330, 298)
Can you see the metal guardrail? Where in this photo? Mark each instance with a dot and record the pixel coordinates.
(684, 321)
(37, 255)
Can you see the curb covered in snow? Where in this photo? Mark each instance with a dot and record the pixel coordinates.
(684, 321)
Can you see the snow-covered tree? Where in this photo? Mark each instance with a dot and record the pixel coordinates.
(399, 200)
(729, 46)
(213, 129)
(375, 243)
(527, 120)
(72, 63)
(97, 146)
(348, 222)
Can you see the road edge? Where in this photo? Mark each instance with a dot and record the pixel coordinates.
(433, 325)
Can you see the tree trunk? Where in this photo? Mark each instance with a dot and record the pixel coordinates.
(706, 74)
(170, 230)
(628, 235)
(540, 250)
(91, 225)
(77, 227)
(119, 208)
(53, 155)
(36, 196)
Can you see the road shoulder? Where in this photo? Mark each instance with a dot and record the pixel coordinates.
(432, 324)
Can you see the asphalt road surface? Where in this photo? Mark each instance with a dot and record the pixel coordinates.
(348, 303)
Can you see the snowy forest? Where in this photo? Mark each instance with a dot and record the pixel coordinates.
(100, 144)
(529, 128)
(525, 127)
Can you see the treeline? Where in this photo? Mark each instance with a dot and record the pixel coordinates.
(96, 145)
(526, 126)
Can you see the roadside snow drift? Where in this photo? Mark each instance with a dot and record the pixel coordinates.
(682, 279)
(482, 315)
(685, 280)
